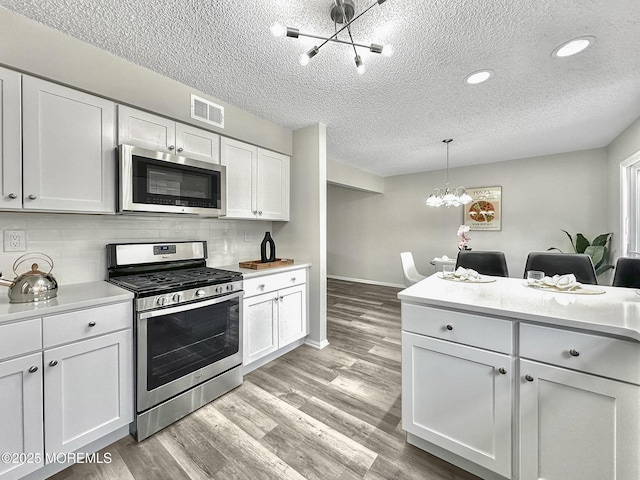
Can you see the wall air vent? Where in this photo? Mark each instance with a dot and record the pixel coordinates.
(207, 111)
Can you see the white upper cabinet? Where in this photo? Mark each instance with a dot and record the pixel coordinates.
(158, 133)
(257, 181)
(68, 149)
(10, 141)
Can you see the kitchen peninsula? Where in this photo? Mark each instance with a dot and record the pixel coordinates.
(509, 381)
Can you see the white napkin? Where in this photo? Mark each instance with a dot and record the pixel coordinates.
(467, 274)
(561, 282)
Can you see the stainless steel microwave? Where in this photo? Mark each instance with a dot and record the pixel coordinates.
(151, 181)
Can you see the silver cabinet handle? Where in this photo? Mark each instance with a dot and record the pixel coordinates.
(171, 147)
(281, 298)
(53, 363)
(32, 197)
(293, 279)
(259, 212)
(255, 212)
(502, 370)
(261, 286)
(574, 353)
(33, 369)
(449, 327)
(528, 378)
(92, 323)
(180, 149)
(12, 195)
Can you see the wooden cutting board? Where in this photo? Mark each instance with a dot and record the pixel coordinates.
(258, 265)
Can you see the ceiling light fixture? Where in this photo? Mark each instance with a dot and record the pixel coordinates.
(446, 196)
(342, 11)
(479, 77)
(573, 47)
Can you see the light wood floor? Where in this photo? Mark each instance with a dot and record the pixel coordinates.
(311, 414)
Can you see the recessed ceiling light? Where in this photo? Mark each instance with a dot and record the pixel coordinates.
(572, 47)
(479, 77)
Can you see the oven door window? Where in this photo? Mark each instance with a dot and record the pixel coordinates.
(184, 342)
(160, 182)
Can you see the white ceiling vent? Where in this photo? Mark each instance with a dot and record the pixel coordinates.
(207, 111)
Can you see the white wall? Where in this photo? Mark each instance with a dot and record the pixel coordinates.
(540, 197)
(304, 237)
(348, 176)
(77, 243)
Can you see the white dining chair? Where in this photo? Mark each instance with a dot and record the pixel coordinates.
(409, 270)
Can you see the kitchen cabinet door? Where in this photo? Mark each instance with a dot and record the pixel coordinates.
(146, 130)
(68, 149)
(459, 398)
(10, 141)
(21, 415)
(241, 161)
(260, 326)
(575, 426)
(292, 314)
(272, 194)
(198, 144)
(88, 390)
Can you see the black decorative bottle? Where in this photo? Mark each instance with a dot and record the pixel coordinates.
(267, 240)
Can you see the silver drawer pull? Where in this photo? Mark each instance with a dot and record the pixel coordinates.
(293, 279)
(12, 196)
(33, 369)
(261, 286)
(32, 197)
(53, 363)
(92, 323)
(574, 353)
(528, 378)
(449, 327)
(502, 370)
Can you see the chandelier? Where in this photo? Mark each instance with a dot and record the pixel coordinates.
(342, 11)
(447, 196)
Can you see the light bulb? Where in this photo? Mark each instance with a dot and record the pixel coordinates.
(304, 59)
(360, 68)
(387, 50)
(278, 30)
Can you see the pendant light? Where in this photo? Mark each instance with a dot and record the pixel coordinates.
(447, 196)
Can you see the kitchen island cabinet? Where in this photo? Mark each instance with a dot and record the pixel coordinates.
(257, 181)
(66, 376)
(571, 408)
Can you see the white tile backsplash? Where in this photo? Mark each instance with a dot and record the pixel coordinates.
(76, 242)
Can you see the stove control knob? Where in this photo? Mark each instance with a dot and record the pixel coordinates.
(176, 298)
(200, 293)
(218, 289)
(230, 287)
(161, 301)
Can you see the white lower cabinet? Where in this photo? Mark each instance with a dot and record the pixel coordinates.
(275, 319)
(576, 397)
(72, 386)
(21, 435)
(458, 398)
(88, 390)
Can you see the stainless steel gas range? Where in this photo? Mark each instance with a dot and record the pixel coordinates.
(187, 328)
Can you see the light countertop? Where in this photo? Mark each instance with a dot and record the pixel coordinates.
(251, 273)
(615, 312)
(70, 297)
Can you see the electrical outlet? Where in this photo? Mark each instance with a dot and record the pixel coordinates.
(15, 240)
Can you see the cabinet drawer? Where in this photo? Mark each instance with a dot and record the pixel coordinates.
(608, 357)
(469, 329)
(274, 281)
(72, 326)
(20, 337)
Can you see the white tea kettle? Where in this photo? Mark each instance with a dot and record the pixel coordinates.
(34, 285)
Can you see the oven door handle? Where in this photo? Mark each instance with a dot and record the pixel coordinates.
(190, 306)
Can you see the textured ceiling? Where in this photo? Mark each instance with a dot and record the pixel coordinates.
(392, 119)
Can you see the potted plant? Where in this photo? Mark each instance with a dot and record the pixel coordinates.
(597, 249)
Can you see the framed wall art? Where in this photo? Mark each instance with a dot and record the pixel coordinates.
(484, 212)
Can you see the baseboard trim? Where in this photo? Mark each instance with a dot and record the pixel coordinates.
(318, 345)
(371, 282)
